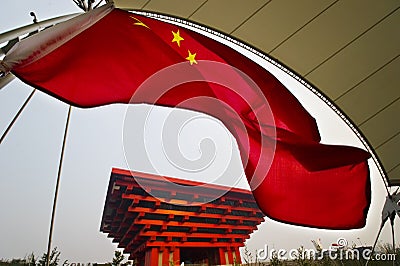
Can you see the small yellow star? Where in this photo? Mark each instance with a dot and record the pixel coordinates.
(191, 58)
(177, 38)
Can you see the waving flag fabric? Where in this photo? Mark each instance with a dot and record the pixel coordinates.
(112, 56)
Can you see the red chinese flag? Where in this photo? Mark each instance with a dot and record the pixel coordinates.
(113, 56)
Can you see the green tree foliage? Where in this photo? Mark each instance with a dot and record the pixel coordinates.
(275, 261)
(118, 258)
(301, 258)
(30, 260)
(54, 258)
(387, 249)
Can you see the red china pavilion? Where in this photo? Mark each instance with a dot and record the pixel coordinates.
(157, 224)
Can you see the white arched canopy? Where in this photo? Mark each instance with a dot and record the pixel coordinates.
(348, 50)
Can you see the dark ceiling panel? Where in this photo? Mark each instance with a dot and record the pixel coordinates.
(277, 21)
(327, 34)
(226, 15)
(360, 59)
(383, 126)
(373, 94)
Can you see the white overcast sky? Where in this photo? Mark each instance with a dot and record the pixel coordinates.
(29, 161)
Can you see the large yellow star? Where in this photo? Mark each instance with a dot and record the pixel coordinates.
(177, 38)
(191, 58)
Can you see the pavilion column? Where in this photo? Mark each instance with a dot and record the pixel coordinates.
(151, 257)
(230, 256)
(237, 255)
(176, 256)
(222, 259)
(165, 256)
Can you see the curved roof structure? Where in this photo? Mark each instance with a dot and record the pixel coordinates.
(349, 50)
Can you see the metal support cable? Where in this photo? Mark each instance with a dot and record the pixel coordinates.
(57, 187)
(16, 116)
